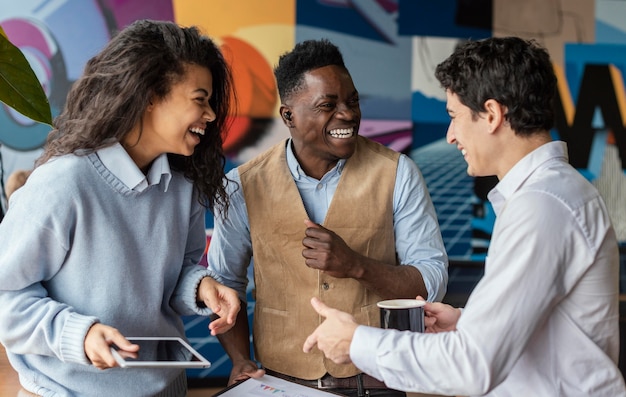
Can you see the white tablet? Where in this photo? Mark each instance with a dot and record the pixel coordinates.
(160, 352)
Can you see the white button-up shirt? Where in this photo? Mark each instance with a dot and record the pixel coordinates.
(543, 321)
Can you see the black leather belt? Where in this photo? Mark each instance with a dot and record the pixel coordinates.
(330, 382)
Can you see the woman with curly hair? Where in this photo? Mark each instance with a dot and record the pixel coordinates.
(104, 239)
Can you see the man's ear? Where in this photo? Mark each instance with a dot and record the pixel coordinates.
(495, 114)
(286, 115)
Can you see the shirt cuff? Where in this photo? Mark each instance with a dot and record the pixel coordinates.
(435, 280)
(365, 342)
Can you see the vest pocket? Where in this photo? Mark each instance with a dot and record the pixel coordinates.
(269, 310)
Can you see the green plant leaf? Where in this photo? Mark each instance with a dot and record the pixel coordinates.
(19, 86)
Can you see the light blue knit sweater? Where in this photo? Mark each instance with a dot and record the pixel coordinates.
(77, 246)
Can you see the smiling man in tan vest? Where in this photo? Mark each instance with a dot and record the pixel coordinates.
(544, 318)
(327, 213)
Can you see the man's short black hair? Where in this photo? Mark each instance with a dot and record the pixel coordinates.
(305, 56)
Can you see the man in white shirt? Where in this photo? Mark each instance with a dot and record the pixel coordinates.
(543, 320)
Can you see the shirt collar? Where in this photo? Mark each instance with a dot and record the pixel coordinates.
(294, 167)
(119, 162)
(523, 169)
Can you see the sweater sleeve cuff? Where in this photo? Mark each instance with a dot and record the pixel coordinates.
(72, 347)
(186, 301)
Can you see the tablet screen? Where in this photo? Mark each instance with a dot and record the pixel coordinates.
(161, 352)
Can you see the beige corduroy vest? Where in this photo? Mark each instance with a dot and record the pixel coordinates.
(361, 212)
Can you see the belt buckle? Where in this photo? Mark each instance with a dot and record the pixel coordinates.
(321, 385)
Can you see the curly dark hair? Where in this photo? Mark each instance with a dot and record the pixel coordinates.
(515, 72)
(141, 62)
(304, 57)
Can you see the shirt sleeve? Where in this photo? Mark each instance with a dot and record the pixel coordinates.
(230, 250)
(412, 361)
(418, 237)
(522, 282)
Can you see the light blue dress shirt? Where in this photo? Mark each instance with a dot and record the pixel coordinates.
(418, 238)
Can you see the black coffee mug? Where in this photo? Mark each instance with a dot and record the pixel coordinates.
(402, 314)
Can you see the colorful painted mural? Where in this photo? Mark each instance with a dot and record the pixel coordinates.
(391, 48)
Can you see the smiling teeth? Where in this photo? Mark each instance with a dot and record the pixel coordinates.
(197, 130)
(464, 152)
(342, 133)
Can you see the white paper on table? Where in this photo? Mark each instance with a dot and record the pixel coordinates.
(274, 387)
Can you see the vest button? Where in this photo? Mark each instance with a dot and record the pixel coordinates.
(325, 286)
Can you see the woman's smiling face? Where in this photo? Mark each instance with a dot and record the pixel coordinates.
(177, 122)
